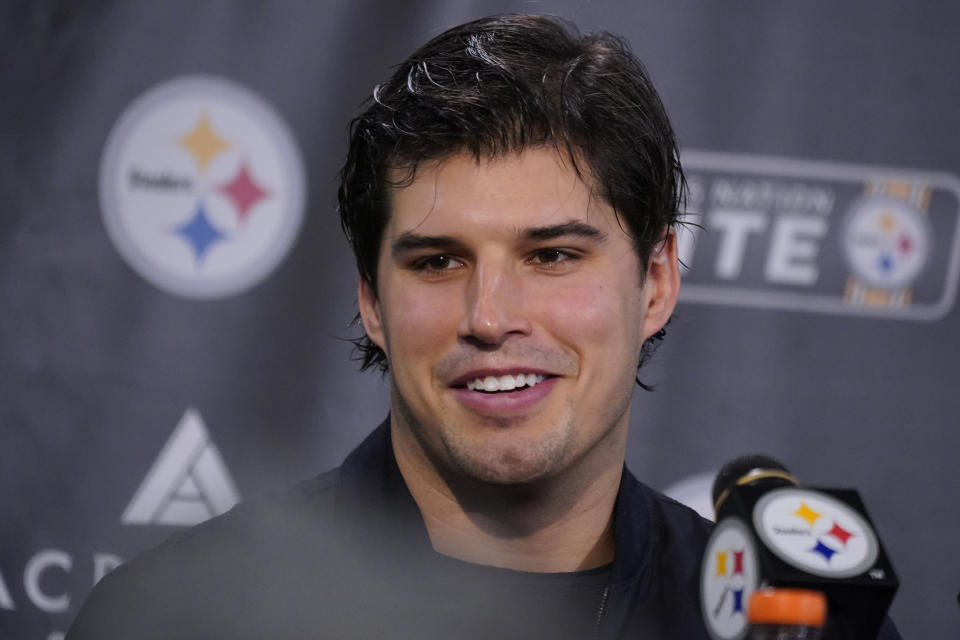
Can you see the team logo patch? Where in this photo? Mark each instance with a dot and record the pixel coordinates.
(729, 576)
(202, 187)
(815, 532)
(820, 237)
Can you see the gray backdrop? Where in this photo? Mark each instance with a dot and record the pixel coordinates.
(138, 396)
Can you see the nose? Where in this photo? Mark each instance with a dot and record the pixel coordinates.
(495, 308)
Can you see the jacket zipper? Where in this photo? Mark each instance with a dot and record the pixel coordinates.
(600, 612)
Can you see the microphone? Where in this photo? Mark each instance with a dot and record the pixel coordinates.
(773, 532)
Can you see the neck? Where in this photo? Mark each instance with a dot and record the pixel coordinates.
(557, 524)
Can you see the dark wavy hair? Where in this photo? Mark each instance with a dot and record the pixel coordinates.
(496, 86)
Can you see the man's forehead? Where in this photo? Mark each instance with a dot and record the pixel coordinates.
(517, 192)
(546, 158)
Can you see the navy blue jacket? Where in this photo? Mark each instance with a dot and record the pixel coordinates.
(346, 555)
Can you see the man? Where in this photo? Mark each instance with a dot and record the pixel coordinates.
(510, 194)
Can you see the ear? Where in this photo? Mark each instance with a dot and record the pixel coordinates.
(662, 284)
(370, 312)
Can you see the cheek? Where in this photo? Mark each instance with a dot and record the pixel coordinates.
(601, 316)
(420, 322)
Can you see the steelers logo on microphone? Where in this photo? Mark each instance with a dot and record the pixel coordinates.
(729, 576)
(815, 532)
(202, 187)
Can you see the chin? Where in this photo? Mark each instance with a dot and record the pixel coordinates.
(519, 461)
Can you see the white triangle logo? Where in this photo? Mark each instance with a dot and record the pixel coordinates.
(187, 484)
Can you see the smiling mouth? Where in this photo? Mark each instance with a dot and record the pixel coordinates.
(505, 383)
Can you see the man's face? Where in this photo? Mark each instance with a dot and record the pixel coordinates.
(512, 310)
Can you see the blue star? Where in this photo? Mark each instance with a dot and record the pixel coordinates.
(885, 262)
(824, 550)
(200, 233)
(738, 601)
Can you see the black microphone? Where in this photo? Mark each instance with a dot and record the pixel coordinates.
(773, 532)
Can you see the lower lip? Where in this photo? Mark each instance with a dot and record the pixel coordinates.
(505, 402)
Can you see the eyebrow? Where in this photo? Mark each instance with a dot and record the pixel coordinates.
(572, 228)
(409, 242)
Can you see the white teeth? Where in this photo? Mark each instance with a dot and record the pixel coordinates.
(508, 382)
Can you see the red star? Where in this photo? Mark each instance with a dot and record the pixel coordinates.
(840, 533)
(905, 244)
(738, 562)
(243, 192)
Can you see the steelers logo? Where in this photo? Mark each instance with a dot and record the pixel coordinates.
(729, 576)
(202, 187)
(886, 242)
(815, 532)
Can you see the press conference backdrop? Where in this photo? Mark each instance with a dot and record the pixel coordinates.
(176, 293)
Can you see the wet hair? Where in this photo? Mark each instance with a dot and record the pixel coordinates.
(496, 86)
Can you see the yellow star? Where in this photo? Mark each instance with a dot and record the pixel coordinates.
(886, 222)
(807, 513)
(203, 142)
(721, 563)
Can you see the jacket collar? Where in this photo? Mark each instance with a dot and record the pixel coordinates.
(374, 500)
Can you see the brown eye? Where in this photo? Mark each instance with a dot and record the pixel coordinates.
(436, 263)
(552, 256)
